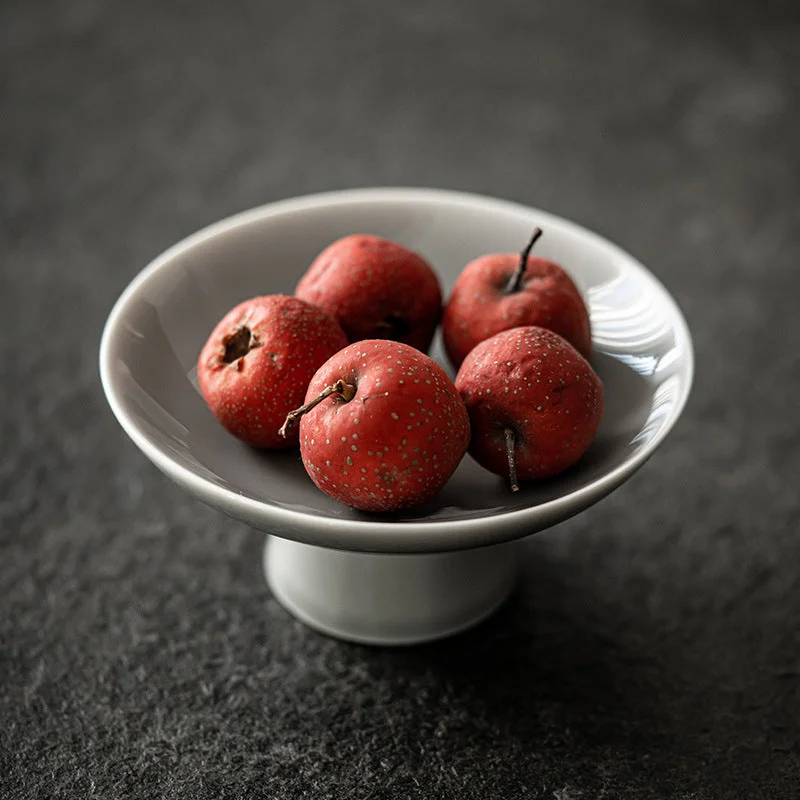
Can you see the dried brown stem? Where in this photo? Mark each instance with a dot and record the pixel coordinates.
(516, 278)
(345, 390)
(512, 462)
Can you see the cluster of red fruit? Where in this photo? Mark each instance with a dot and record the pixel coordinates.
(382, 426)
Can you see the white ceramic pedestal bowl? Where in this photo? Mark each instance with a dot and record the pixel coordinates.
(433, 570)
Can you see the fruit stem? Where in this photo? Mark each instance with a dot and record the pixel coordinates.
(512, 462)
(345, 390)
(516, 278)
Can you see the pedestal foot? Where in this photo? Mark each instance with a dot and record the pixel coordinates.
(389, 599)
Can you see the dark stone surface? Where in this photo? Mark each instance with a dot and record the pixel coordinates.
(654, 648)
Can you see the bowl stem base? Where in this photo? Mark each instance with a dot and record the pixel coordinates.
(374, 598)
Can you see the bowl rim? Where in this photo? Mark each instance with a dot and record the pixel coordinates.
(316, 529)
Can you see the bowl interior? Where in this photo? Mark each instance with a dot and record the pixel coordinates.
(642, 349)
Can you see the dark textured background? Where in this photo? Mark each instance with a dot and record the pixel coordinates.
(654, 648)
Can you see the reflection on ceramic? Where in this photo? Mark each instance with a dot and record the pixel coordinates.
(642, 351)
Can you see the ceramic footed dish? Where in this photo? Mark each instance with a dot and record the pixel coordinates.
(438, 568)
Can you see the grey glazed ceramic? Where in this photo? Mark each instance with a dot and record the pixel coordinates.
(642, 352)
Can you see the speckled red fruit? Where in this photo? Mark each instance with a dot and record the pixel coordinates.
(536, 383)
(480, 305)
(256, 365)
(400, 437)
(375, 289)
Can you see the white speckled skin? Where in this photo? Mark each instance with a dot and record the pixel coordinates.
(480, 307)
(252, 395)
(397, 441)
(375, 289)
(534, 382)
